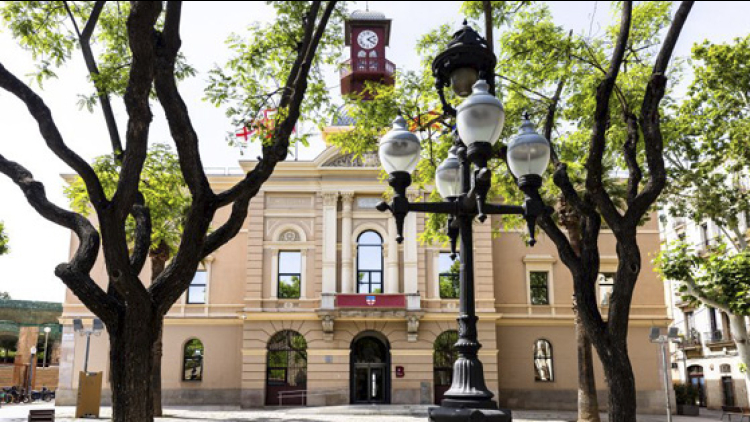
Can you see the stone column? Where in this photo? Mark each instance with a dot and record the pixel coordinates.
(391, 259)
(411, 282)
(330, 239)
(347, 277)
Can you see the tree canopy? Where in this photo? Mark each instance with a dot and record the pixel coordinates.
(3, 240)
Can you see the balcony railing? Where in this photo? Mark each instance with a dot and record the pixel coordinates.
(716, 337)
(367, 65)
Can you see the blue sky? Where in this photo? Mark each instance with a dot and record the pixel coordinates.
(38, 245)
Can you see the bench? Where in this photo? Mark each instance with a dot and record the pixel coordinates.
(45, 415)
(728, 411)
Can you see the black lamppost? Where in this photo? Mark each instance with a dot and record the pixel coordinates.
(464, 180)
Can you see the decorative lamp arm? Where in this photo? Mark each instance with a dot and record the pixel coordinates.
(399, 207)
(533, 206)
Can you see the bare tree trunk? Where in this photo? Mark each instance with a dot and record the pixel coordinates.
(131, 361)
(740, 336)
(588, 402)
(622, 396)
(159, 258)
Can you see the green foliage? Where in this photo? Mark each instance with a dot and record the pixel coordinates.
(3, 240)
(162, 186)
(253, 79)
(710, 155)
(716, 278)
(46, 30)
(686, 394)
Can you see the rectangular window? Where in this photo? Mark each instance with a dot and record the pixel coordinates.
(290, 274)
(196, 294)
(539, 287)
(449, 275)
(704, 235)
(606, 284)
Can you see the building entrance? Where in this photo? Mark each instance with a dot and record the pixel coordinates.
(370, 371)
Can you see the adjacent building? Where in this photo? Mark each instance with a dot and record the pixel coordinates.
(315, 303)
(706, 355)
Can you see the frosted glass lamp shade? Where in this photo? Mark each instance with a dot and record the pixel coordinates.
(399, 149)
(462, 79)
(480, 117)
(448, 177)
(528, 152)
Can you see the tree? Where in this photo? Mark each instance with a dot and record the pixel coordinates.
(5, 296)
(3, 240)
(168, 200)
(132, 312)
(709, 169)
(609, 90)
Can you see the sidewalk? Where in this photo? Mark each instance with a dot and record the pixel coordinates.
(364, 413)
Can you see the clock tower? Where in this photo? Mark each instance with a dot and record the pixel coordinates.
(367, 33)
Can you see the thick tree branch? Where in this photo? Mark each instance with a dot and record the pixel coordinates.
(180, 126)
(650, 123)
(630, 152)
(142, 236)
(52, 136)
(75, 274)
(141, 35)
(595, 171)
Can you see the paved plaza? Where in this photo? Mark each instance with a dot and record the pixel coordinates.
(364, 413)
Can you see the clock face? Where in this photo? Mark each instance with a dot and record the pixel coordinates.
(367, 39)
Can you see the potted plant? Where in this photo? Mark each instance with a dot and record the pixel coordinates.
(686, 396)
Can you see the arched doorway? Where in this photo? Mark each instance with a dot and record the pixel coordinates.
(695, 373)
(370, 369)
(444, 356)
(286, 368)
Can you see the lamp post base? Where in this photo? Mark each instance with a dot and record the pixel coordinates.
(468, 411)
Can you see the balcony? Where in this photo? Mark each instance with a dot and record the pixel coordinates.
(717, 338)
(352, 307)
(367, 66)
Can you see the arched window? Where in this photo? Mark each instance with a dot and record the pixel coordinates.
(286, 365)
(192, 361)
(361, 60)
(725, 369)
(370, 263)
(543, 361)
(444, 356)
(373, 60)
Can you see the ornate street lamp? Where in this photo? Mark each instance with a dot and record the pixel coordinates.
(466, 59)
(464, 180)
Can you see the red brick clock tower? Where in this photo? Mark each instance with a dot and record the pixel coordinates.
(367, 33)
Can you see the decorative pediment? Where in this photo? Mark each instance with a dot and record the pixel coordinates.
(366, 160)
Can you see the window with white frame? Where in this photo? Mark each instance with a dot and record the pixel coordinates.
(290, 274)
(539, 287)
(196, 293)
(539, 279)
(370, 263)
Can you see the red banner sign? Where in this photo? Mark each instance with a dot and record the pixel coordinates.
(370, 301)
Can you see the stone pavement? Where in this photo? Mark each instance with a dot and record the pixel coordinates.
(364, 413)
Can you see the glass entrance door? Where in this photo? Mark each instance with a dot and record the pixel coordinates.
(369, 383)
(370, 376)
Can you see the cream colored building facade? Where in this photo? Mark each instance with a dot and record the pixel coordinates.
(320, 208)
